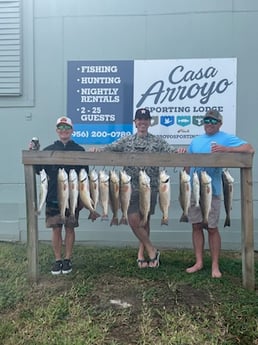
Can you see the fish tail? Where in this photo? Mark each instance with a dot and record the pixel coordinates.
(93, 215)
(114, 221)
(104, 217)
(184, 218)
(227, 221)
(205, 224)
(164, 221)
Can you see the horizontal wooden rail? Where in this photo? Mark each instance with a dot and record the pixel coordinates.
(244, 161)
(226, 160)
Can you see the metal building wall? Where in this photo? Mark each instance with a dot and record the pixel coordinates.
(55, 31)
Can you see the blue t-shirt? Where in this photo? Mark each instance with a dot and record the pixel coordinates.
(202, 144)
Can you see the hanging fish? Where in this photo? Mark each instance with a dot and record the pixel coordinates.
(227, 181)
(184, 194)
(62, 192)
(205, 196)
(124, 195)
(73, 192)
(104, 193)
(114, 196)
(94, 186)
(195, 190)
(84, 192)
(144, 196)
(43, 190)
(164, 195)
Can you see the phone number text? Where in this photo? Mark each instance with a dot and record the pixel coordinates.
(100, 134)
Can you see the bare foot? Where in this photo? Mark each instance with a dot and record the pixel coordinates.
(216, 273)
(194, 268)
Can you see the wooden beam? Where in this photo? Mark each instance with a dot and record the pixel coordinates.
(225, 160)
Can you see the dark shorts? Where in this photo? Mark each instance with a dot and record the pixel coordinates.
(195, 213)
(53, 218)
(134, 202)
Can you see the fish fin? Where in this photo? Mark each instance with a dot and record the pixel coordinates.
(184, 219)
(205, 225)
(123, 220)
(227, 221)
(93, 215)
(114, 221)
(164, 221)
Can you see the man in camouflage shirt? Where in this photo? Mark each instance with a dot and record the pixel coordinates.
(142, 141)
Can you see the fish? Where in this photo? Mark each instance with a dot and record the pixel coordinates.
(114, 196)
(144, 196)
(184, 194)
(104, 193)
(205, 196)
(73, 191)
(84, 193)
(62, 192)
(195, 190)
(43, 190)
(164, 195)
(227, 181)
(124, 195)
(94, 186)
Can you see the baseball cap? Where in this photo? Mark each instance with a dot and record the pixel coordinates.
(214, 114)
(142, 113)
(64, 120)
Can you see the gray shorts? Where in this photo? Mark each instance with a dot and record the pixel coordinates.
(195, 213)
(53, 218)
(134, 202)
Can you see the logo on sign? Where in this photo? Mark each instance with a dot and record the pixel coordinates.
(198, 120)
(167, 120)
(183, 120)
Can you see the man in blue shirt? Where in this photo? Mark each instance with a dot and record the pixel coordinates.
(213, 140)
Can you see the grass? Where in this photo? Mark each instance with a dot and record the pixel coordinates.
(107, 300)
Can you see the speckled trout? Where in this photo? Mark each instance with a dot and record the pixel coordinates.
(43, 190)
(114, 195)
(144, 196)
(164, 195)
(227, 181)
(62, 192)
(124, 195)
(205, 196)
(73, 191)
(184, 194)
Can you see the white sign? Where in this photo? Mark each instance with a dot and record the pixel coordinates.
(179, 92)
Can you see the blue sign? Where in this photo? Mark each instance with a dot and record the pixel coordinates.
(100, 100)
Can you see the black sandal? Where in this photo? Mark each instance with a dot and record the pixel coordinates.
(140, 263)
(155, 259)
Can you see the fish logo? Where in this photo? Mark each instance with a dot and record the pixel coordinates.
(198, 120)
(166, 120)
(183, 120)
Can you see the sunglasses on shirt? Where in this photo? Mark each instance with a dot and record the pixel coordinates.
(64, 127)
(210, 120)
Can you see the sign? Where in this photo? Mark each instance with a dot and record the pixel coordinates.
(103, 96)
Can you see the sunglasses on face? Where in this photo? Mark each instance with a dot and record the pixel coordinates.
(64, 127)
(210, 120)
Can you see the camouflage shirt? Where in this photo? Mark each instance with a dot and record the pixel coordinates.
(134, 143)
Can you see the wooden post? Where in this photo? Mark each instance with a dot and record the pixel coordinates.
(247, 229)
(32, 223)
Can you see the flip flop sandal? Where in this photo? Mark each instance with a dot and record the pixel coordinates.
(156, 259)
(142, 263)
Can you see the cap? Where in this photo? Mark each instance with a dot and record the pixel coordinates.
(214, 114)
(142, 113)
(65, 120)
